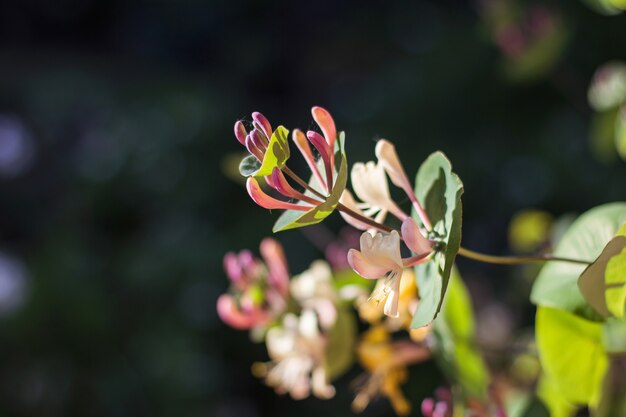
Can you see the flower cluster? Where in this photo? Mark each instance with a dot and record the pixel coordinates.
(309, 334)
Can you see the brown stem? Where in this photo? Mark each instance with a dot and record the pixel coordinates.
(515, 260)
(340, 206)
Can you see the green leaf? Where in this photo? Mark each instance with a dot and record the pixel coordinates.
(454, 332)
(557, 283)
(615, 281)
(249, 165)
(552, 398)
(620, 132)
(292, 219)
(602, 135)
(342, 340)
(439, 189)
(277, 152)
(598, 283)
(572, 354)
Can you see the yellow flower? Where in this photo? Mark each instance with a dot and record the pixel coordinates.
(384, 375)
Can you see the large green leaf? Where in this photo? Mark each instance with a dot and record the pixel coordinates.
(553, 399)
(605, 279)
(556, 286)
(572, 354)
(615, 281)
(292, 219)
(454, 332)
(277, 152)
(340, 351)
(439, 189)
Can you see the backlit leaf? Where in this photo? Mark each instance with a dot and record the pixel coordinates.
(439, 189)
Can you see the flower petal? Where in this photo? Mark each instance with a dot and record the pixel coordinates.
(393, 296)
(364, 267)
(303, 145)
(326, 123)
(265, 201)
(387, 156)
(262, 122)
(240, 132)
(413, 238)
(229, 313)
(347, 200)
(274, 257)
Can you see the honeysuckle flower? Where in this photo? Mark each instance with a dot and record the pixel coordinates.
(313, 289)
(321, 195)
(385, 362)
(297, 353)
(371, 311)
(257, 140)
(380, 257)
(388, 158)
(370, 185)
(259, 289)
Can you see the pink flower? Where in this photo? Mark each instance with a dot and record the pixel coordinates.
(259, 289)
(380, 257)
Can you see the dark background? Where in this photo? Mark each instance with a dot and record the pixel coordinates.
(116, 207)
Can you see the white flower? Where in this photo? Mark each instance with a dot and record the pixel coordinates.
(297, 350)
(314, 290)
(370, 185)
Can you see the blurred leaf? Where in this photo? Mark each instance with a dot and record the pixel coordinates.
(454, 330)
(556, 286)
(528, 229)
(608, 86)
(572, 354)
(605, 7)
(277, 152)
(541, 56)
(602, 135)
(553, 399)
(620, 132)
(439, 189)
(342, 341)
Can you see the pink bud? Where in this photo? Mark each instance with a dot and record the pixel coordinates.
(240, 132)
(263, 123)
(265, 201)
(253, 149)
(326, 123)
(428, 406)
(259, 140)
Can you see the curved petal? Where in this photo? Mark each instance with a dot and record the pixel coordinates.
(413, 238)
(347, 200)
(262, 122)
(325, 121)
(387, 156)
(393, 297)
(364, 267)
(230, 314)
(303, 145)
(265, 201)
(274, 257)
(240, 132)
